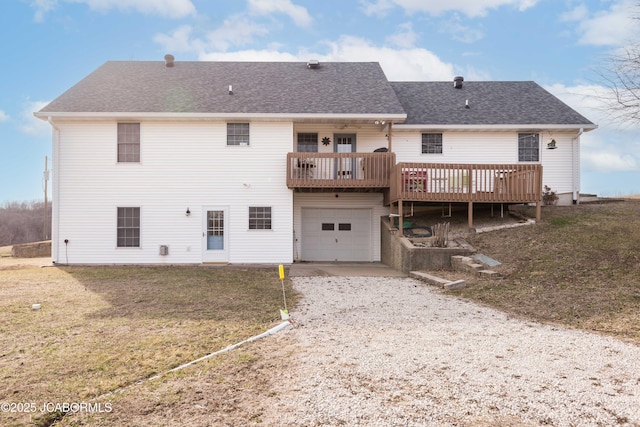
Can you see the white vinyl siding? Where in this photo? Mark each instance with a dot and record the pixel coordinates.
(186, 165)
(560, 166)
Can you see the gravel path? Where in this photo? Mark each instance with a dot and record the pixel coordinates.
(395, 352)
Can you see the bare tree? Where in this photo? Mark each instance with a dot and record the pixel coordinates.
(623, 80)
(22, 222)
(621, 76)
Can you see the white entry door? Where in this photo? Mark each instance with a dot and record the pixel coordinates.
(215, 235)
(336, 234)
(345, 143)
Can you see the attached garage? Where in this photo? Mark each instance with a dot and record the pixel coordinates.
(336, 234)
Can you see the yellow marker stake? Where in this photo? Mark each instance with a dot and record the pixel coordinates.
(284, 314)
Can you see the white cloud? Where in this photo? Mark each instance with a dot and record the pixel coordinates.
(3, 116)
(168, 8)
(437, 7)
(29, 123)
(398, 63)
(378, 8)
(578, 13)
(459, 31)
(613, 27)
(603, 160)
(405, 37)
(254, 55)
(298, 14)
(236, 30)
(179, 40)
(42, 7)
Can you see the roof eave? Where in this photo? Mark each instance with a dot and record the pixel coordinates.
(495, 127)
(296, 117)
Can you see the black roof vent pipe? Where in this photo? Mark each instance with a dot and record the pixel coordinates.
(168, 60)
(457, 82)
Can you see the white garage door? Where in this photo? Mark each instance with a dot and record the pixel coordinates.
(336, 234)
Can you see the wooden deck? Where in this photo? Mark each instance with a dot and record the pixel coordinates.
(466, 183)
(499, 183)
(416, 182)
(339, 171)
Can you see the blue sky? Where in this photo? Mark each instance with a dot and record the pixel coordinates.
(49, 45)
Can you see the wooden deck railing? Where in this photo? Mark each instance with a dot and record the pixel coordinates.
(498, 183)
(427, 182)
(339, 170)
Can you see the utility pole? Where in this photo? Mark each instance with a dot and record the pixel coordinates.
(45, 178)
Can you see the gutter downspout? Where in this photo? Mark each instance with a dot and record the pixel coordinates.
(575, 160)
(55, 190)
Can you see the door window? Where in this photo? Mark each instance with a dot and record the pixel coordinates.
(215, 230)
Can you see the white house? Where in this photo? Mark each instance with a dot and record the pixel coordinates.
(254, 162)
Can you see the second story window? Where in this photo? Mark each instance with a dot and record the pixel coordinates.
(129, 142)
(431, 143)
(308, 142)
(528, 147)
(237, 133)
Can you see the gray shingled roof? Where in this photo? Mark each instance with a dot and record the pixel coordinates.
(490, 103)
(258, 87)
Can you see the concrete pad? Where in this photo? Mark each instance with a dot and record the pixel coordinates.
(457, 284)
(367, 269)
(429, 278)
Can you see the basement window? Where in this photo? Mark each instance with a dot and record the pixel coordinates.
(128, 228)
(259, 218)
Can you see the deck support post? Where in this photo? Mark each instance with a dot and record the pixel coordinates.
(538, 211)
(470, 215)
(400, 218)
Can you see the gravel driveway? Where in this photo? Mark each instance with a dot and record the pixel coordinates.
(385, 351)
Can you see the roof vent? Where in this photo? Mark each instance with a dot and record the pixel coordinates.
(313, 64)
(457, 82)
(168, 60)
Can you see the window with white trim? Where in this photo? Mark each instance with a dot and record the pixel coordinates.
(307, 142)
(129, 142)
(237, 133)
(431, 143)
(259, 218)
(128, 227)
(528, 147)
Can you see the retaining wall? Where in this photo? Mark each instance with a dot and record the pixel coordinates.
(398, 252)
(32, 250)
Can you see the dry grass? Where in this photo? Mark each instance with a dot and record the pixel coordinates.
(580, 267)
(102, 328)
